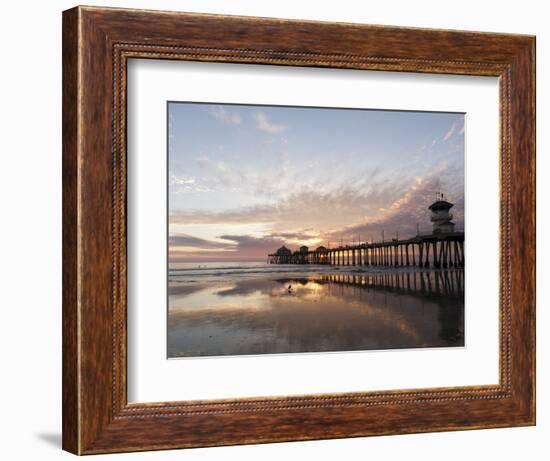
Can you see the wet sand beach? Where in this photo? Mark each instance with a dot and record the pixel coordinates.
(217, 311)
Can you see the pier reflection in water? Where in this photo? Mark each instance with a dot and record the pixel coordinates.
(289, 313)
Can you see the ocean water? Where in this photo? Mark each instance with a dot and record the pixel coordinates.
(224, 309)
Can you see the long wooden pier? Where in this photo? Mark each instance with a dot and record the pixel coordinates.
(439, 250)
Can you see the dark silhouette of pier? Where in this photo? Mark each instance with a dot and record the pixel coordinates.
(440, 251)
(443, 248)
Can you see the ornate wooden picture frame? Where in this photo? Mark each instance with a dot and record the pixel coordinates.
(97, 44)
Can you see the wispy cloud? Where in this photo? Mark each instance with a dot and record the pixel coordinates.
(186, 184)
(180, 181)
(264, 124)
(306, 208)
(185, 240)
(225, 115)
(301, 235)
(450, 132)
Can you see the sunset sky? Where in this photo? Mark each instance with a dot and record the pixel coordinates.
(244, 180)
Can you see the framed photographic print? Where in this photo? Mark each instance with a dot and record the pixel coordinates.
(258, 208)
(284, 230)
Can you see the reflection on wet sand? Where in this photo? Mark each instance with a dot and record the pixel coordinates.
(316, 313)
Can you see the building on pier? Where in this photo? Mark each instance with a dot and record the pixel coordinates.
(321, 255)
(282, 256)
(441, 218)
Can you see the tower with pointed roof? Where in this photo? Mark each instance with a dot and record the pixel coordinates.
(441, 217)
